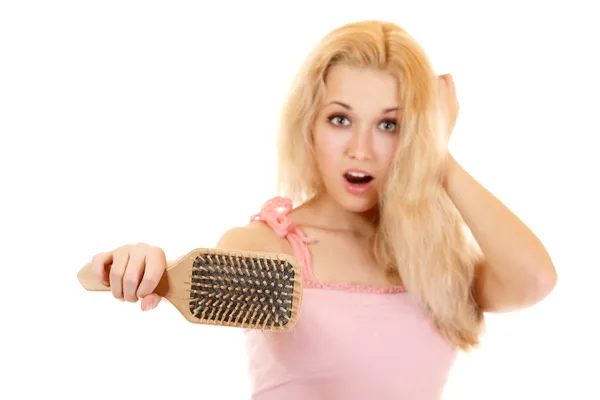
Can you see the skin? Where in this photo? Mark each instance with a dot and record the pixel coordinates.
(517, 272)
(356, 128)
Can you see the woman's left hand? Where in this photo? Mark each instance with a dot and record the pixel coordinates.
(448, 100)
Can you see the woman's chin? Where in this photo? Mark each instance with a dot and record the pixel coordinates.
(357, 203)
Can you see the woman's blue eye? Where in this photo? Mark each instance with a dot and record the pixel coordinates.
(389, 126)
(339, 120)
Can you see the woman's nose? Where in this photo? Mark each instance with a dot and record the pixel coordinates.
(360, 146)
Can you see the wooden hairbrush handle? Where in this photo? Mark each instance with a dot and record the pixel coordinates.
(89, 280)
(223, 287)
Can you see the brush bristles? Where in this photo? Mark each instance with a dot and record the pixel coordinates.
(253, 292)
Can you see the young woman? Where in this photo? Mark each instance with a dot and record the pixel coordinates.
(382, 219)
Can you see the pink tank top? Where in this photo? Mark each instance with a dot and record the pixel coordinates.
(350, 341)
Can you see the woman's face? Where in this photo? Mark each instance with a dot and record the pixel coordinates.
(355, 134)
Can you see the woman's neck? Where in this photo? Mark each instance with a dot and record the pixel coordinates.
(324, 212)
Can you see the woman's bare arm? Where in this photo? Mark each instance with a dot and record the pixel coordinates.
(517, 271)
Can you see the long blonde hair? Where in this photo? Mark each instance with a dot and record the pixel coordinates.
(421, 238)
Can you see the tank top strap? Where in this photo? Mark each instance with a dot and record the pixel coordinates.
(275, 213)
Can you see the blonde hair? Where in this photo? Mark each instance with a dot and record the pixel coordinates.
(420, 239)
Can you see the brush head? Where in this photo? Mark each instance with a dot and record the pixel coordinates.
(244, 289)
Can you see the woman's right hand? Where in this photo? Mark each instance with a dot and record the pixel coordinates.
(132, 272)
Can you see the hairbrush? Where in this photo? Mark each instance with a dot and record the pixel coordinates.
(253, 290)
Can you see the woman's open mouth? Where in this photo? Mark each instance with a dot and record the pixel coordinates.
(357, 181)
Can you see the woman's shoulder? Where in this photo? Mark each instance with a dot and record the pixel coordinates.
(263, 233)
(255, 236)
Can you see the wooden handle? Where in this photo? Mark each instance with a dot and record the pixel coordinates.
(89, 281)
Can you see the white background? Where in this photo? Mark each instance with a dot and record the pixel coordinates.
(145, 121)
